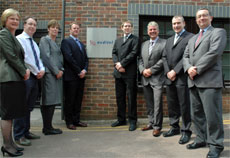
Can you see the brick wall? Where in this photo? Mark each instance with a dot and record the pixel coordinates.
(99, 99)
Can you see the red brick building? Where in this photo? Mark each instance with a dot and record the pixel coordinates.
(99, 99)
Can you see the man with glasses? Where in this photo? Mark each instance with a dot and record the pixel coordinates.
(202, 62)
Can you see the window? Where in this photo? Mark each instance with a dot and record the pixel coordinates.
(165, 26)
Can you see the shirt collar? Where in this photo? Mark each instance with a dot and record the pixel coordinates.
(181, 32)
(127, 35)
(26, 35)
(155, 40)
(74, 37)
(205, 29)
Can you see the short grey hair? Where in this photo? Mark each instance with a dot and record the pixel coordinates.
(178, 16)
(153, 23)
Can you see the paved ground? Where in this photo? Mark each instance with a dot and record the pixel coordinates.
(99, 140)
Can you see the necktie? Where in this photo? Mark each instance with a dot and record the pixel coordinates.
(151, 47)
(199, 37)
(125, 38)
(35, 54)
(79, 44)
(176, 38)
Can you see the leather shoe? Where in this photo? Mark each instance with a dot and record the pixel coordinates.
(23, 141)
(80, 124)
(171, 132)
(214, 153)
(71, 126)
(132, 127)
(51, 131)
(118, 123)
(156, 133)
(195, 145)
(32, 136)
(185, 138)
(146, 128)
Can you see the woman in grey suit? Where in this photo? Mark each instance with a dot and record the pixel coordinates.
(52, 80)
(12, 87)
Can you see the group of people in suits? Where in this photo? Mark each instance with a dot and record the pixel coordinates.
(189, 66)
(23, 64)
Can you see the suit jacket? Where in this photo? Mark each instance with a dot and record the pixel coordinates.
(126, 53)
(153, 61)
(12, 66)
(173, 58)
(75, 60)
(207, 58)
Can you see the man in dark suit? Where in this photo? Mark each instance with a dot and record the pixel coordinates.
(202, 62)
(76, 66)
(152, 77)
(176, 81)
(124, 53)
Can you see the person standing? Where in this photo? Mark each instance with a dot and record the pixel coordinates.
(152, 72)
(76, 67)
(124, 54)
(52, 58)
(176, 81)
(202, 62)
(12, 87)
(35, 65)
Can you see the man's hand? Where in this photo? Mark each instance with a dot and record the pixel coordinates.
(147, 73)
(118, 65)
(27, 75)
(82, 74)
(192, 72)
(171, 75)
(40, 74)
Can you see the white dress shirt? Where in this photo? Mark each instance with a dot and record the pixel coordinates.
(24, 40)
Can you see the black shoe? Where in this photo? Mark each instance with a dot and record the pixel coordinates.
(118, 123)
(185, 138)
(195, 145)
(32, 136)
(214, 153)
(171, 132)
(132, 127)
(18, 153)
(51, 131)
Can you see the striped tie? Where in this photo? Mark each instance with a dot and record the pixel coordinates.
(199, 37)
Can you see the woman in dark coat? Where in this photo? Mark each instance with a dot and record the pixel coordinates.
(13, 72)
(52, 81)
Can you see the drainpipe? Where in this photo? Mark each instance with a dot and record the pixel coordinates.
(63, 20)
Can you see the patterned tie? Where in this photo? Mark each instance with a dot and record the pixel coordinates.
(199, 37)
(35, 54)
(79, 44)
(151, 47)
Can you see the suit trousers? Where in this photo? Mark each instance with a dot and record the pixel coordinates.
(126, 86)
(206, 112)
(153, 97)
(22, 125)
(179, 105)
(73, 91)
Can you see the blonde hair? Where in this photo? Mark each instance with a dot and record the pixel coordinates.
(128, 21)
(7, 13)
(52, 23)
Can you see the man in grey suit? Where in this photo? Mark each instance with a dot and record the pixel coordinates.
(176, 81)
(202, 62)
(151, 69)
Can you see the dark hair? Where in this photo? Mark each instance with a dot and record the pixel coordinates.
(204, 9)
(28, 17)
